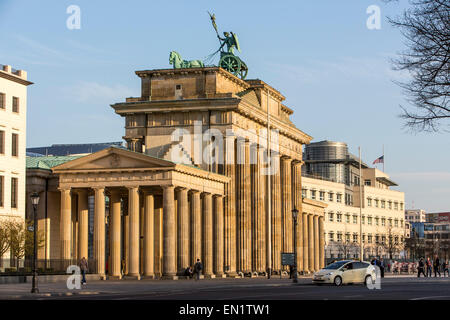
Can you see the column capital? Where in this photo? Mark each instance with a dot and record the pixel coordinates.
(132, 187)
(98, 188)
(64, 189)
(285, 158)
(218, 196)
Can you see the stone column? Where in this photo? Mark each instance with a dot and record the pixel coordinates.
(183, 230)
(65, 227)
(276, 213)
(196, 236)
(99, 231)
(218, 236)
(115, 234)
(134, 235)
(230, 207)
(311, 242)
(316, 243)
(207, 235)
(126, 235)
(305, 243)
(169, 241)
(261, 218)
(321, 243)
(297, 201)
(83, 223)
(149, 254)
(286, 194)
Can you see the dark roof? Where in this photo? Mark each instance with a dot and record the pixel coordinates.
(71, 149)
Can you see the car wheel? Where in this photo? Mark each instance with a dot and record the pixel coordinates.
(337, 281)
(368, 280)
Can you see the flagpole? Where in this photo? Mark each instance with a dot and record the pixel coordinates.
(361, 253)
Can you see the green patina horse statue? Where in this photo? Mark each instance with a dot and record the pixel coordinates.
(178, 63)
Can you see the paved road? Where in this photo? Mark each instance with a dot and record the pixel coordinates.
(232, 289)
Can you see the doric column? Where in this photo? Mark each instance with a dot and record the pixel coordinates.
(115, 234)
(276, 213)
(134, 235)
(65, 226)
(126, 235)
(218, 235)
(311, 242)
(305, 237)
(261, 217)
(297, 201)
(230, 207)
(99, 231)
(196, 236)
(286, 184)
(254, 208)
(83, 223)
(183, 230)
(316, 243)
(169, 261)
(321, 243)
(207, 234)
(149, 254)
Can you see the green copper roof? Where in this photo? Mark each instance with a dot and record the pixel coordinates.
(47, 163)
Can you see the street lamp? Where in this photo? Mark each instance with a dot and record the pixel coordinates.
(35, 202)
(294, 217)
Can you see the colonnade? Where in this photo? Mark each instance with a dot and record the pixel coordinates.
(156, 234)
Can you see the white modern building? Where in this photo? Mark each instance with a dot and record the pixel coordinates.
(13, 115)
(415, 215)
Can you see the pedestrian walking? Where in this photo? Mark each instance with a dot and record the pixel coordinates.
(198, 267)
(428, 263)
(421, 268)
(381, 262)
(445, 267)
(84, 269)
(436, 266)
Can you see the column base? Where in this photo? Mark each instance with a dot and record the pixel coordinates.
(210, 276)
(166, 277)
(102, 276)
(115, 277)
(221, 275)
(149, 277)
(232, 274)
(132, 277)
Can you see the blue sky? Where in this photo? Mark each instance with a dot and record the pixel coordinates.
(334, 72)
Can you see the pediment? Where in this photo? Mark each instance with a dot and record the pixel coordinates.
(113, 158)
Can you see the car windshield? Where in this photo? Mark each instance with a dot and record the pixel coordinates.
(336, 265)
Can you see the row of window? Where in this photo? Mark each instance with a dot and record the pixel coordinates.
(370, 220)
(382, 204)
(369, 238)
(314, 195)
(15, 102)
(14, 191)
(14, 143)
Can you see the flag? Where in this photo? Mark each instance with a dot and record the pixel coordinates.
(379, 160)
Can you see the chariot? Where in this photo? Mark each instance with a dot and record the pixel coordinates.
(233, 64)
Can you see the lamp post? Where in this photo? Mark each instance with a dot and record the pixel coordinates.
(294, 217)
(35, 202)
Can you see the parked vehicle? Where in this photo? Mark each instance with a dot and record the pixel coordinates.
(346, 271)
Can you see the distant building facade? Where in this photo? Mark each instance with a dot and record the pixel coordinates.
(415, 215)
(71, 149)
(13, 115)
(332, 176)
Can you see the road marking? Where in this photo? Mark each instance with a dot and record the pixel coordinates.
(430, 297)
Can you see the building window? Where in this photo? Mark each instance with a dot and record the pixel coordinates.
(339, 237)
(303, 193)
(355, 219)
(369, 220)
(383, 221)
(339, 217)
(383, 204)
(331, 216)
(322, 195)
(401, 223)
(330, 196)
(401, 206)
(331, 236)
(347, 237)
(15, 104)
(347, 218)
(369, 202)
(2, 100)
(367, 183)
(355, 237)
(395, 205)
(396, 223)
(390, 222)
(363, 220)
(2, 142)
(383, 239)
(313, 194)
(14, 187)
(377, 220)
(377, 239)
(338, 197)
(363, 238)
(15, 145)
(376, 203)
(390, 205)
(2, 188)
(369, 238)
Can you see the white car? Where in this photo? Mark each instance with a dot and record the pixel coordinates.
(346, 271)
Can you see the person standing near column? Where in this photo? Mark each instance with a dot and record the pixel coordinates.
(198, 267)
